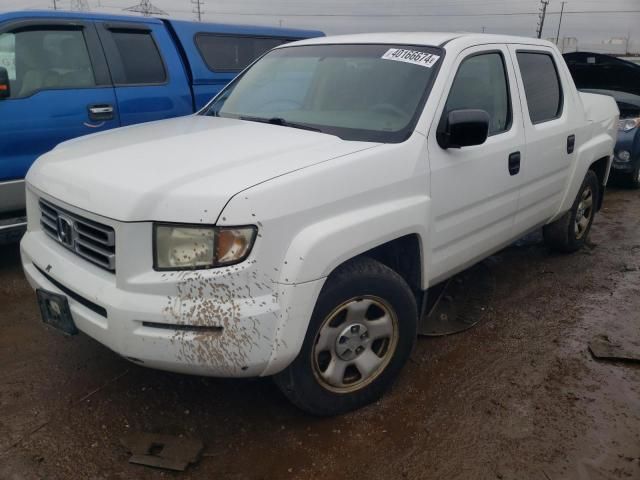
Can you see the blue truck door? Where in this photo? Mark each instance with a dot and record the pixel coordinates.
(148, 73)
(60, 89)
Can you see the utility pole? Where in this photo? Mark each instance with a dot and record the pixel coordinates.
(197, 8)
(55, 5)
(560, 23)
(543, 14)
(483, 29)
(146, 8)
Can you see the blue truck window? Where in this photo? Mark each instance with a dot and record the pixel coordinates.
(45, 60)
(232, 53)
(140, 58)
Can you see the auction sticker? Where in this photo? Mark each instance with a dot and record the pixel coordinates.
(411, 56)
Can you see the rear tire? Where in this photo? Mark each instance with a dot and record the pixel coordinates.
(569, 233)
(361, 333)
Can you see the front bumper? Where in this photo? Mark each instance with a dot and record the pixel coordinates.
(13, 221)
(222, 322)
(629, 142)
(12, 196)
(623, 168)
(12, 229)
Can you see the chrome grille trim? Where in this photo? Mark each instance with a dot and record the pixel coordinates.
(90, 240)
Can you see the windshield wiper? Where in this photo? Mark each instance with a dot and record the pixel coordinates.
(282, 122)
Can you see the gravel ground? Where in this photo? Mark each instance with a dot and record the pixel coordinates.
(517, 397)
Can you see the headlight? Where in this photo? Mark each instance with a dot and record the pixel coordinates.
(183, 247)
(628, 124)
(624, 156)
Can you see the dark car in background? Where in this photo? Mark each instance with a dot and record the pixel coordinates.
(605, 74)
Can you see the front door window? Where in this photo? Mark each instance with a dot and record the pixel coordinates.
(45, 60)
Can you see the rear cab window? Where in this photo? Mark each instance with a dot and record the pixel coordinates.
(233, 53)
(542, 86)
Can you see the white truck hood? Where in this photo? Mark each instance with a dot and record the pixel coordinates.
(180, 170)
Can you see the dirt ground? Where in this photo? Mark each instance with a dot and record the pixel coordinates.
(517, 397)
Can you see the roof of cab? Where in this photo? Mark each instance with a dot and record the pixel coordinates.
(183, 24)
(26, 14)
(223, 28)
(435, 39)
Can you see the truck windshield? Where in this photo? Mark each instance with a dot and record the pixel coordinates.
(356, 92)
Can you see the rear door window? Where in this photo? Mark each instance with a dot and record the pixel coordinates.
(232, 53)
(138, 59)
(541, 85)
(41, 59)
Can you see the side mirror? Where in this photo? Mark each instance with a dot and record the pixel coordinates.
(463, 128)
(5, 86)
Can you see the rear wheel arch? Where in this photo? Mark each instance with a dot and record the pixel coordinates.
(569, 232)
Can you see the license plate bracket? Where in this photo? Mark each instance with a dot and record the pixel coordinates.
(55, 311)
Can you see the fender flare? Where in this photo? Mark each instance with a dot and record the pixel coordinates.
(312, 254)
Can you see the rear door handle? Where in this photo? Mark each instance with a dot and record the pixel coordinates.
(514, 163)
(100, 113)
(571, 143)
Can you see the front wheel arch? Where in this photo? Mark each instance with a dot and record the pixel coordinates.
(359, 278)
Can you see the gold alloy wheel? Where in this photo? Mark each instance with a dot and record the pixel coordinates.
(355, 343)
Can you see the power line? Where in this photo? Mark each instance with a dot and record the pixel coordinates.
(197, 8)
(392, 15)
(146, 8)
(402, 15)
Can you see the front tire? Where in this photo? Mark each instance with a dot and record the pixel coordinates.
(569, 233)
(361, 333)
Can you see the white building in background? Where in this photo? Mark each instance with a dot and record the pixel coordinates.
(618, 46)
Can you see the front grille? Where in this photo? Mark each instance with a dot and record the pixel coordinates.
(90, 240)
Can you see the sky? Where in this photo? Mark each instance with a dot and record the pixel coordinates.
(590, 21)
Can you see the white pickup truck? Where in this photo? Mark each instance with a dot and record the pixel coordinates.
(293, 226)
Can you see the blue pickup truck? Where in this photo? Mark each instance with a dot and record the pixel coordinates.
(63, 75)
